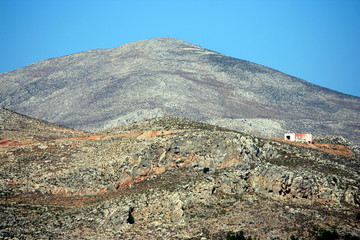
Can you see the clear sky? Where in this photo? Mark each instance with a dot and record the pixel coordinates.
(316, 40)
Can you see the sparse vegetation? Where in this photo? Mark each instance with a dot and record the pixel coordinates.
(332, 234)
(193, 177)
(350, 237)
(130, 218)
(236, 236)
(335, 179)
(328, 235)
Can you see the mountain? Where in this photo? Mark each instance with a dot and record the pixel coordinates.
(104, 88)
(171, 178)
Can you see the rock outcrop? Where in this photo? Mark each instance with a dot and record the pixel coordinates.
(170, 178)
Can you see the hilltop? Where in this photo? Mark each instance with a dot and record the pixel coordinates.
(17, 129)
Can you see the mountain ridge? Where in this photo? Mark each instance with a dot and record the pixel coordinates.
(104, 88)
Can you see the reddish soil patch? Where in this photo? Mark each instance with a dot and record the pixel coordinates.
(7, 144)
(334, 149)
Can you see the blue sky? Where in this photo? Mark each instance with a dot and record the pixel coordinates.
(318, 41)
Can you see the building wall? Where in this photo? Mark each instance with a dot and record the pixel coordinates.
(298, 137)
(289, 136)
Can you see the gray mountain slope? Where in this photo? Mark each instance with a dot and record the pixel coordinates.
(103, 88)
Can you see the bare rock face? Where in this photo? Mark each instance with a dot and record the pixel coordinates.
(170, 178)
(104, 88)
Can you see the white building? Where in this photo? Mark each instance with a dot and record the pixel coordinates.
(298, 137)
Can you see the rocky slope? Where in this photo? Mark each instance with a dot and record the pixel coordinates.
(17, 129)
(170, 178)
(105, 88)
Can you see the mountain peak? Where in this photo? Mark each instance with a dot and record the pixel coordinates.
(163, 40)
(162, 44)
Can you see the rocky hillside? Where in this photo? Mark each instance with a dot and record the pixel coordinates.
(17, 129)
(171, 178)
(105, 88)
